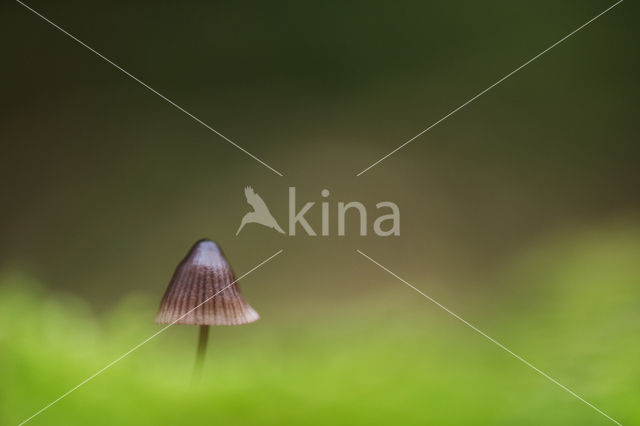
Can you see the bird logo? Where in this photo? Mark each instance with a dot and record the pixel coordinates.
(260, 213)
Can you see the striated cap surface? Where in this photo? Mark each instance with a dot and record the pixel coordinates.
(203, 273)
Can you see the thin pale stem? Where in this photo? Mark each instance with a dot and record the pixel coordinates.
(202, 350)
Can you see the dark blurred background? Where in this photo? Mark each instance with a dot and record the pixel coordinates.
(105, 185)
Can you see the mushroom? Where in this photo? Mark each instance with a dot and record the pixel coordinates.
(204, 291)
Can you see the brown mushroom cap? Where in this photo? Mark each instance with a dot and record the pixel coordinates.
(201, 274)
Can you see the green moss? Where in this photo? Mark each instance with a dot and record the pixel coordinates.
(356, 368)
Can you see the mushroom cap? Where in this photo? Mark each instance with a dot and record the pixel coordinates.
(205, 278)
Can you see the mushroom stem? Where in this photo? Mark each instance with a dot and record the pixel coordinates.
(202, 350)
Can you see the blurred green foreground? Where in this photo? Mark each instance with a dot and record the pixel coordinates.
(377, 363)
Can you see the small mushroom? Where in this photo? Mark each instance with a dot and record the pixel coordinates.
(204, 292)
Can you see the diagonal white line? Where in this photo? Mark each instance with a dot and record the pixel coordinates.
(142, 343)
(491, 87)
(151, 89)
(491, 339)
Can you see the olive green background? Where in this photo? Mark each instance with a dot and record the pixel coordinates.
(520, 212)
